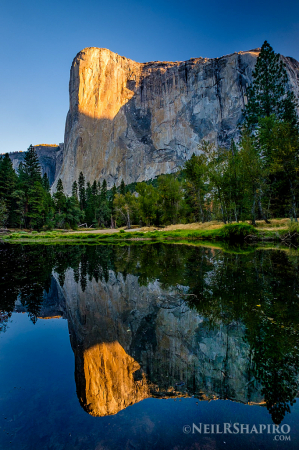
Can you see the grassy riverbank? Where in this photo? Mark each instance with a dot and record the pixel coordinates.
(277, 230)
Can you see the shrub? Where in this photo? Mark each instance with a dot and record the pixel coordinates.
(236, 231)
(293, 227)
(292, 234)
(122, 231)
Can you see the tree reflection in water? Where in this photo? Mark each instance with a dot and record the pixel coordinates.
(258, 288)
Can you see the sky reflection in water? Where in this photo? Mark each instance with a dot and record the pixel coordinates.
(155, 331)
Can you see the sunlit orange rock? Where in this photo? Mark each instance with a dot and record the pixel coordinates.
(133, 121)
(109, 380)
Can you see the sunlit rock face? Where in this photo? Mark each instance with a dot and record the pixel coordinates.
(107, 373)
(132, 342)
(133, 121)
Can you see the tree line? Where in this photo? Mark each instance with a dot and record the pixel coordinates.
(256, 178)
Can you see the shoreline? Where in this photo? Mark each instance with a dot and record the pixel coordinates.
(241, 233)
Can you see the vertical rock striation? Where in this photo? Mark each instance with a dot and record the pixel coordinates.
(133, 121)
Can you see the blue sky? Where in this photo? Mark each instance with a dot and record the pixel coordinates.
(39, 40)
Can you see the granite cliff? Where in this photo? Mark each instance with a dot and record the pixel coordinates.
(50, 158)
(133, 121)
(132, 342)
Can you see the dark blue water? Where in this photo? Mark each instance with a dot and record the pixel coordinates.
(51, 393)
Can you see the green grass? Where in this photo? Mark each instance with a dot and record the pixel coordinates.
(227, 233)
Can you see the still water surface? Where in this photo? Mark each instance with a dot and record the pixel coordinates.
(110, 347)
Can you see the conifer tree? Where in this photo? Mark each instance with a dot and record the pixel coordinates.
(94, 188)
(104, 212)
(89, 213)
(269, 93)
(104, 191)
(37, 205)
(111, 204)
(45, 182)
(75, 189)
(59, 196)
(59, 188)
(60, 204)
(7, 177)
(8, 180)
(122, 187)
(33, 200)
(82, 194)
(31, 167)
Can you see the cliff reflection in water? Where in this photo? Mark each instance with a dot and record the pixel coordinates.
(166, 320)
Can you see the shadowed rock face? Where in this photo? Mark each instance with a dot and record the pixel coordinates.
(133, 121)
(132, 342)
(50, 158)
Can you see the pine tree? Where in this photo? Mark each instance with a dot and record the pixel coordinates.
(82, 194)
(31, 167)
(113, 192)
(88, 192)
(89, 204)
(104, 210)
(269, 93)
(104, 191)
(60, 204)
(111, 204)
(21, 173)
(75, 189)
(94, 189)
(8, 180)
(122, 187)
(73, 212)
(59, 187)
(7, 177)
(37, 199)
(45, 182)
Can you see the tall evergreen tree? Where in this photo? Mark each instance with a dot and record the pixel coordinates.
(104, 210)
(31, 167)
(269, 92)
(94, 188)
(111, 205)
(7, 177)
(45, 182)
(59, 196)
(104, 191)
(8, 180)
(34, 200)
(75, 189)
(82, 194)
(89, 213)
(122, 188)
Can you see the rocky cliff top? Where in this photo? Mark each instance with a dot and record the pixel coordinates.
(133, 121)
